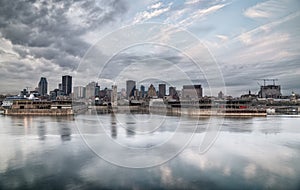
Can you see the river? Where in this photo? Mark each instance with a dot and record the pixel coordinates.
(142, 151)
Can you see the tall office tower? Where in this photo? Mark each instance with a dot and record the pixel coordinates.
(161, 90)
(67, 85)
(43, 86)
(79, 92)
(97, 90)
(130, 87)
(90, 90)
(152, 91)
(142, 91)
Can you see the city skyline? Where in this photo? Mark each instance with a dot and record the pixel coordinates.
(92, 88)
(248, 40)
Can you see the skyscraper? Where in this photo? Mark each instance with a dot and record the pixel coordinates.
(161, 90)
(173, 93)
(97, 90)
(142, 91)
(130, 87)
(192, 91)
(152, 92)
(91, 90)
(67, 84)
(79, 92)
(43, 86)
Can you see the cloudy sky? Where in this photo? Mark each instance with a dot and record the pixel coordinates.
(247, 40)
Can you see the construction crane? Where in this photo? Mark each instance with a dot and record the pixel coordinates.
(268, 80)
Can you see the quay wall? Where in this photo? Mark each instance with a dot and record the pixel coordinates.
(39, 112)
(215, 112)
(175, 111)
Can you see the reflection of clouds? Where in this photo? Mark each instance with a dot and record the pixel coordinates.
(166, 175)
(203, 162)
(250, 171)
(247, 154)
(19, 140)
(267, 155)
(227, 170)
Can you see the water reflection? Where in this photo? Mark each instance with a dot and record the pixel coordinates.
(42, 130)
(64, 125)
(114, 131)
(65, 133)
(243, 157)
(130, 129)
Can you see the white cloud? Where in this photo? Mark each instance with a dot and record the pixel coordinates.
(6, 50)
(264, 47)
(264, 43)
(197, 15)
(156, 5)
(246, 37)
(222, 37)
(150, 13)
(267, 9)
(191, 2)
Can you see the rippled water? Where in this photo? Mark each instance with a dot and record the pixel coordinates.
(142, 151)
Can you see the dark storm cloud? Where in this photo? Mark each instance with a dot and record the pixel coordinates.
(48, 25)
(47, 38)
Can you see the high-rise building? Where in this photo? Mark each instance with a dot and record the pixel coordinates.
(97, 90)
(152, 92)
(161, 90)
(90, 90)
(67, 85)
(43, 86)
(79, 92)
(192, 91)
(172, 91)
(130, 88)
(142, 91)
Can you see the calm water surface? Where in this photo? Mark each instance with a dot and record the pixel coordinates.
(148, 152)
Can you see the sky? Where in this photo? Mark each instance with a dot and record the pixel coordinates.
(225, 45)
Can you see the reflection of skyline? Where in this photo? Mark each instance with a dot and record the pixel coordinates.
(42, 130)
(130, 128)
(65, 132)
(114, 130)
(238, 159)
